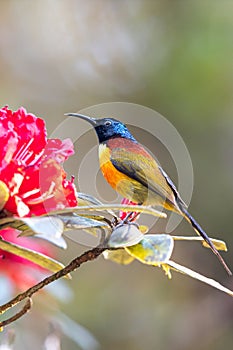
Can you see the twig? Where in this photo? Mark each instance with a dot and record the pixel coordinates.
(73, 265)
(19, 314)
(126, 208)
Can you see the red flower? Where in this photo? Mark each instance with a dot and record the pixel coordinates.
(32, 182)
(17, 269)
(122, 215)
(23, 137)
(32, 179)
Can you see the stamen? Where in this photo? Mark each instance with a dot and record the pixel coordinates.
(19, 151)
(23, 150)
(46, 195)
(40, 199)
(51, 188)
(30, 193)
(36, 158)
(27, 156)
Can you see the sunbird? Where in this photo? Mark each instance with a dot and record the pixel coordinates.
(135, 174)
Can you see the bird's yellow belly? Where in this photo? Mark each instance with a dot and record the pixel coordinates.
(123, 184)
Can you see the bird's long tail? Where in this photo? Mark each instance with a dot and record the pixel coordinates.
(204, 235)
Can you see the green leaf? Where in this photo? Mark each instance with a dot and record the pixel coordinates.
(88, 224)
(74, 221)
(119, 256)
(153, 249)
(49, 228)
(86, 199)
(124, 236)
(9, 222)
(31, 255)
(219, 244)
(197, 276)
(4, 194)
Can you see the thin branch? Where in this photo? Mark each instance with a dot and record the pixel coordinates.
(72, 266)
(102, 207)
(18, 315)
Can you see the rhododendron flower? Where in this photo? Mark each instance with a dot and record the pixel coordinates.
(32, 182)
(32, 179)
(123, 214)
(17, 269)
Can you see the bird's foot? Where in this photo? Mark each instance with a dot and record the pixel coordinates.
(128, 220)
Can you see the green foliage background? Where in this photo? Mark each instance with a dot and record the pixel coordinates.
(175, 57)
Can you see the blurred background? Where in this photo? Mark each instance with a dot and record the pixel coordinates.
(175, 57)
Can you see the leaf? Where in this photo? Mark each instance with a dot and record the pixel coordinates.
(86, 199)
(9, 222)
(199, 277)
(88, 224)
(153, 249)
(94, 217)
(74, 221)
(4, 194)
(31, 255)
(49, 228)
(119, 256)
(219, 244)
(124, 236)
(143, 228)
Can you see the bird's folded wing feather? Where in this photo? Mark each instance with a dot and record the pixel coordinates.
(142, 167)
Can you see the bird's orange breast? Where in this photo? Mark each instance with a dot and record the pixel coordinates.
(111, 174)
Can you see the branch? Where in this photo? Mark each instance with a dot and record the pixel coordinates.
(72, 266)
(19, 314)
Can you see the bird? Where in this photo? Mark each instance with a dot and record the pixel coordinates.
(135, 174)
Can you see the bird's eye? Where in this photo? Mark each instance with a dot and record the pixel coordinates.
(108, 123)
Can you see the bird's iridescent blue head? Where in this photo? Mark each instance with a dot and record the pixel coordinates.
(106, 128)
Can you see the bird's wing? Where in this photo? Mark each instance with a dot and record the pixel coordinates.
(139, 165)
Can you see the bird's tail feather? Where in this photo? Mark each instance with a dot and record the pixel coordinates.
(204, 235)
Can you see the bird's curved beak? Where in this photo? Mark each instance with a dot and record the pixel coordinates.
(92, 121)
